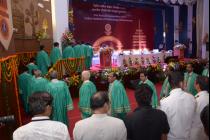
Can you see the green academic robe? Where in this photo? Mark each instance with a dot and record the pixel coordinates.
(62, 101)
(154, 94)
(37, 84)
(43, 61)
(55, 55)
(166, 88)
(118, 99)
(205, 72)
(68, 52)
(23, 82)
(190, 80)
(31, 67)
(86, 51)
(89, 57)
(79, 51)
(86, 91)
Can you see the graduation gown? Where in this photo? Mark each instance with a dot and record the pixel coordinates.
(68, 52)
(37, 84)
(154, 94)
(86, 91)
(55, 55)
(43, 61)
(23, 83)
(118, 98)
(62, 101)
(189, 82)
(86, 53)
(205, 72)
(31, 67)
(79, 51)
(166, 88)
(89, 57)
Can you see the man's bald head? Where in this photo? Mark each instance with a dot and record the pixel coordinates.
(37, 73)
(85, 75)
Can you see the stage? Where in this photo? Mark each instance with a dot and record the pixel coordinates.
(132, 58)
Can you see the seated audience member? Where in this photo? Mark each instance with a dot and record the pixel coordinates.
(100, 126)
(146, 123)
(202, 99)
(179, 107)
(205, 119)
(41, 127)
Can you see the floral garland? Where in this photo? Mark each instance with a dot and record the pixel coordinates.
(8, 73)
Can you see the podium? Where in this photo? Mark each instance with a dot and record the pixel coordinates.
(106, 59)
(179, 51)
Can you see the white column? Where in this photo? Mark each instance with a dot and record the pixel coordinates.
(176, 23)
(59, 18)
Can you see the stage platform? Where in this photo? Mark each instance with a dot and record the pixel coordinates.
(118, 59)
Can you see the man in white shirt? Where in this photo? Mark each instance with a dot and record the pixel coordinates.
(100, 126)
(41, 127)
(179, 107)
(202, 98)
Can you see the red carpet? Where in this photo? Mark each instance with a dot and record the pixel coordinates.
(75, 115)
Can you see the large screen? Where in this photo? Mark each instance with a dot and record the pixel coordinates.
(119, 27)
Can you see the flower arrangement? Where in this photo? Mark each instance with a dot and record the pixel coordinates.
(106, 50)
(40, 35)
(154, 68)
(67, 38)
(74, 80)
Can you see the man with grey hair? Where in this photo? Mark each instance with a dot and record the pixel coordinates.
(86, 91)
(62, 102)
(100, 126)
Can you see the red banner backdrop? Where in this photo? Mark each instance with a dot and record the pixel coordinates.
(122, 28)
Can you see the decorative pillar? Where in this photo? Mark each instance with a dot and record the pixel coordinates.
(59, 19)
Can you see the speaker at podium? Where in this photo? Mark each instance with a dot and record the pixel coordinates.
(106, 57)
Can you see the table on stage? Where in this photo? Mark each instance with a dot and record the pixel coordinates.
(149, 58)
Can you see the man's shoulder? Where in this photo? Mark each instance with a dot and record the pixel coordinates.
(188, 95)
(150, 82)
(109, 119)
